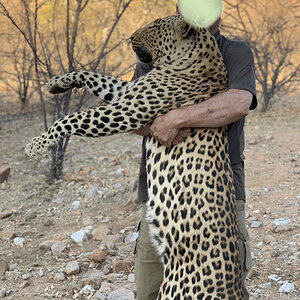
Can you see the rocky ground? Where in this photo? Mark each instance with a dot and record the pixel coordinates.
(75, 239)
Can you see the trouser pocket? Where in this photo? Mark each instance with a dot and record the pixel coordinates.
(243, 238)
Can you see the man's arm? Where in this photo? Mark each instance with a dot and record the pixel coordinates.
(220, 110)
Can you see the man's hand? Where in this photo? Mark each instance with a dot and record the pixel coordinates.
(166, 133)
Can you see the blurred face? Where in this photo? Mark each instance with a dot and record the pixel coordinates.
(213, 26)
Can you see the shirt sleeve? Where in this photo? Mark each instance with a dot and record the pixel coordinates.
(141, 69)
(239, 62)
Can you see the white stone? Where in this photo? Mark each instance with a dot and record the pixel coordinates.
(59, 276)
(270, 238)
(260, 244)
(99, 296)
(13, 275)
(121, 294)
(274, 277)
(41, 273)
(117, 185)
(281, 222)
(287, 288)
(132, 237)
(120, 172)
(131, 277)
(266, 285)
(25, 276)
(75, 205)
(87, 289)
(105, 288)
(72, 268)
(92, 192)
(58, 248)
(2, 293)
(88, 229)
(79, 236)
(58, 200)
(19, 241)
(255, 224)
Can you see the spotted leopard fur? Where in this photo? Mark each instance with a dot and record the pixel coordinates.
(191, 207)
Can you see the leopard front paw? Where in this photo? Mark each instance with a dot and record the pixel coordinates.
(38, 146)
(61, 84)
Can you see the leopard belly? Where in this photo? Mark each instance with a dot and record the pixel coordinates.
(192, 217)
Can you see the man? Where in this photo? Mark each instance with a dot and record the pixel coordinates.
(228, 108)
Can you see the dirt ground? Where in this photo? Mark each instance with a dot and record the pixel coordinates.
(102, 175)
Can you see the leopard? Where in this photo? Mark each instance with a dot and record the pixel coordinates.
(191, 207)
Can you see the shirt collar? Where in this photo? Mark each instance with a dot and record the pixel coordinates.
(217, 35)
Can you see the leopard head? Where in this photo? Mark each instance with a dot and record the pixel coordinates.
(163, 40)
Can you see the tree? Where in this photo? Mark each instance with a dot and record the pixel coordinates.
(64, 36)
(272, 31)
(58, 56)
(19, 79)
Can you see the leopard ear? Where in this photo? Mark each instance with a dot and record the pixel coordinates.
(184, 29)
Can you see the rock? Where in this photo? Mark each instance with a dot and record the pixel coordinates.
(4, 173)
(3, 268)
(5, 214)
(130, 277)
(274, 277)
(101, 232)
(87, 289)
(25, 276)
(58, 248)
(120, 172)
(121, 294)
(2, 293)
(283, 228)
(270, 239)
(255, 224)
(281, 222)
(99, 296)
(79, 236)
(260, 244)
(59, 237)
(46, 245)
(60, 277)
(24, 284)
(58, 200)
(253, 273)
(99, 256)
(92, 192)
(111, 241)
(93, 277)
(287, 288)
(132, 237)
(19, 241)
(117, 186)
(13, 275)
(105, 288)
(48, 223)
(132, 185)
(41, 273)
(72, 268)
(75, 205)
(7, 235)
(267, 285)
(123, 265)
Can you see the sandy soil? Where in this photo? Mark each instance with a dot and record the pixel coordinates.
(42, 212)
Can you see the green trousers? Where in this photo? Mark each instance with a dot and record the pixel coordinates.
(149, 269)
